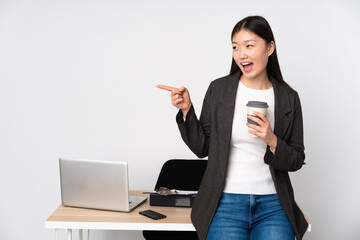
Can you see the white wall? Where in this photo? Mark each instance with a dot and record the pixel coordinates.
(77, 79)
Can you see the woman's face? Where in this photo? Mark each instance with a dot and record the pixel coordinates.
(251, 54)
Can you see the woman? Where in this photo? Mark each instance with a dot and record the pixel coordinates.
(246, 192)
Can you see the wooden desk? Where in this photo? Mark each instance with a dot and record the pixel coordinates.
(177, 219)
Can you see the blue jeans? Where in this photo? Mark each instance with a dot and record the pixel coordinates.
(255, 217)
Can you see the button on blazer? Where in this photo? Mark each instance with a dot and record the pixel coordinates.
(210, 136)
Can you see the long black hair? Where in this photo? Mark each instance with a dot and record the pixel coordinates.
(260, 27)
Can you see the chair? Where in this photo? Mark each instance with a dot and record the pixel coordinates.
(182, 174)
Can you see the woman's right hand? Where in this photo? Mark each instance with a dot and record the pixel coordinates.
(180, 98)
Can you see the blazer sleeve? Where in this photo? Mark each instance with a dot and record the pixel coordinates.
(194, 132)
(289, 153)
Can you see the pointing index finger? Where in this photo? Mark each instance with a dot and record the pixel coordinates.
(164, 87)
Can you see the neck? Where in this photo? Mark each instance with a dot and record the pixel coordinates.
(259, 83)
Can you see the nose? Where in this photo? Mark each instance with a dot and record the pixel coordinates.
(242, 54)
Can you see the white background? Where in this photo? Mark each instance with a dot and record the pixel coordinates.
(77, 79)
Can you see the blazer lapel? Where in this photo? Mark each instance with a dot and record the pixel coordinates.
(282, 109)
(226, 114)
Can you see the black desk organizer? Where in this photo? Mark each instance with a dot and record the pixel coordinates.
(176, 200)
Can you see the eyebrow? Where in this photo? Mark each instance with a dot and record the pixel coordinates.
(246, 41)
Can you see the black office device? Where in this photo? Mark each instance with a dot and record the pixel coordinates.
(177, 200)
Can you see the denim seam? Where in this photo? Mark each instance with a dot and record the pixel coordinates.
(250, 212)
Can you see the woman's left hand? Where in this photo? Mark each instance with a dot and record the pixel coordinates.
(264, 130)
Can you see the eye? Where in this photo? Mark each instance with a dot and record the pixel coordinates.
(249, 45)
(235, 47)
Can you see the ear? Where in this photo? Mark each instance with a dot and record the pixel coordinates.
(271, 48)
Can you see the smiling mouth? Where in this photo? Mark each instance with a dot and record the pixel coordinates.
(247, 66)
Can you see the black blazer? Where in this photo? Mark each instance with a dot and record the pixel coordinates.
(210, 136)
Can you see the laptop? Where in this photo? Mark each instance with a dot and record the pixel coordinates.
(96, 184)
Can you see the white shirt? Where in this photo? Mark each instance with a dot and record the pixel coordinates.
(246, 172)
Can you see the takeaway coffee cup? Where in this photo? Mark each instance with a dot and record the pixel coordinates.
(255, 106)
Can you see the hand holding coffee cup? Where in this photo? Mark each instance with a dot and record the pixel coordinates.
(259, 125)
(252, 107)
